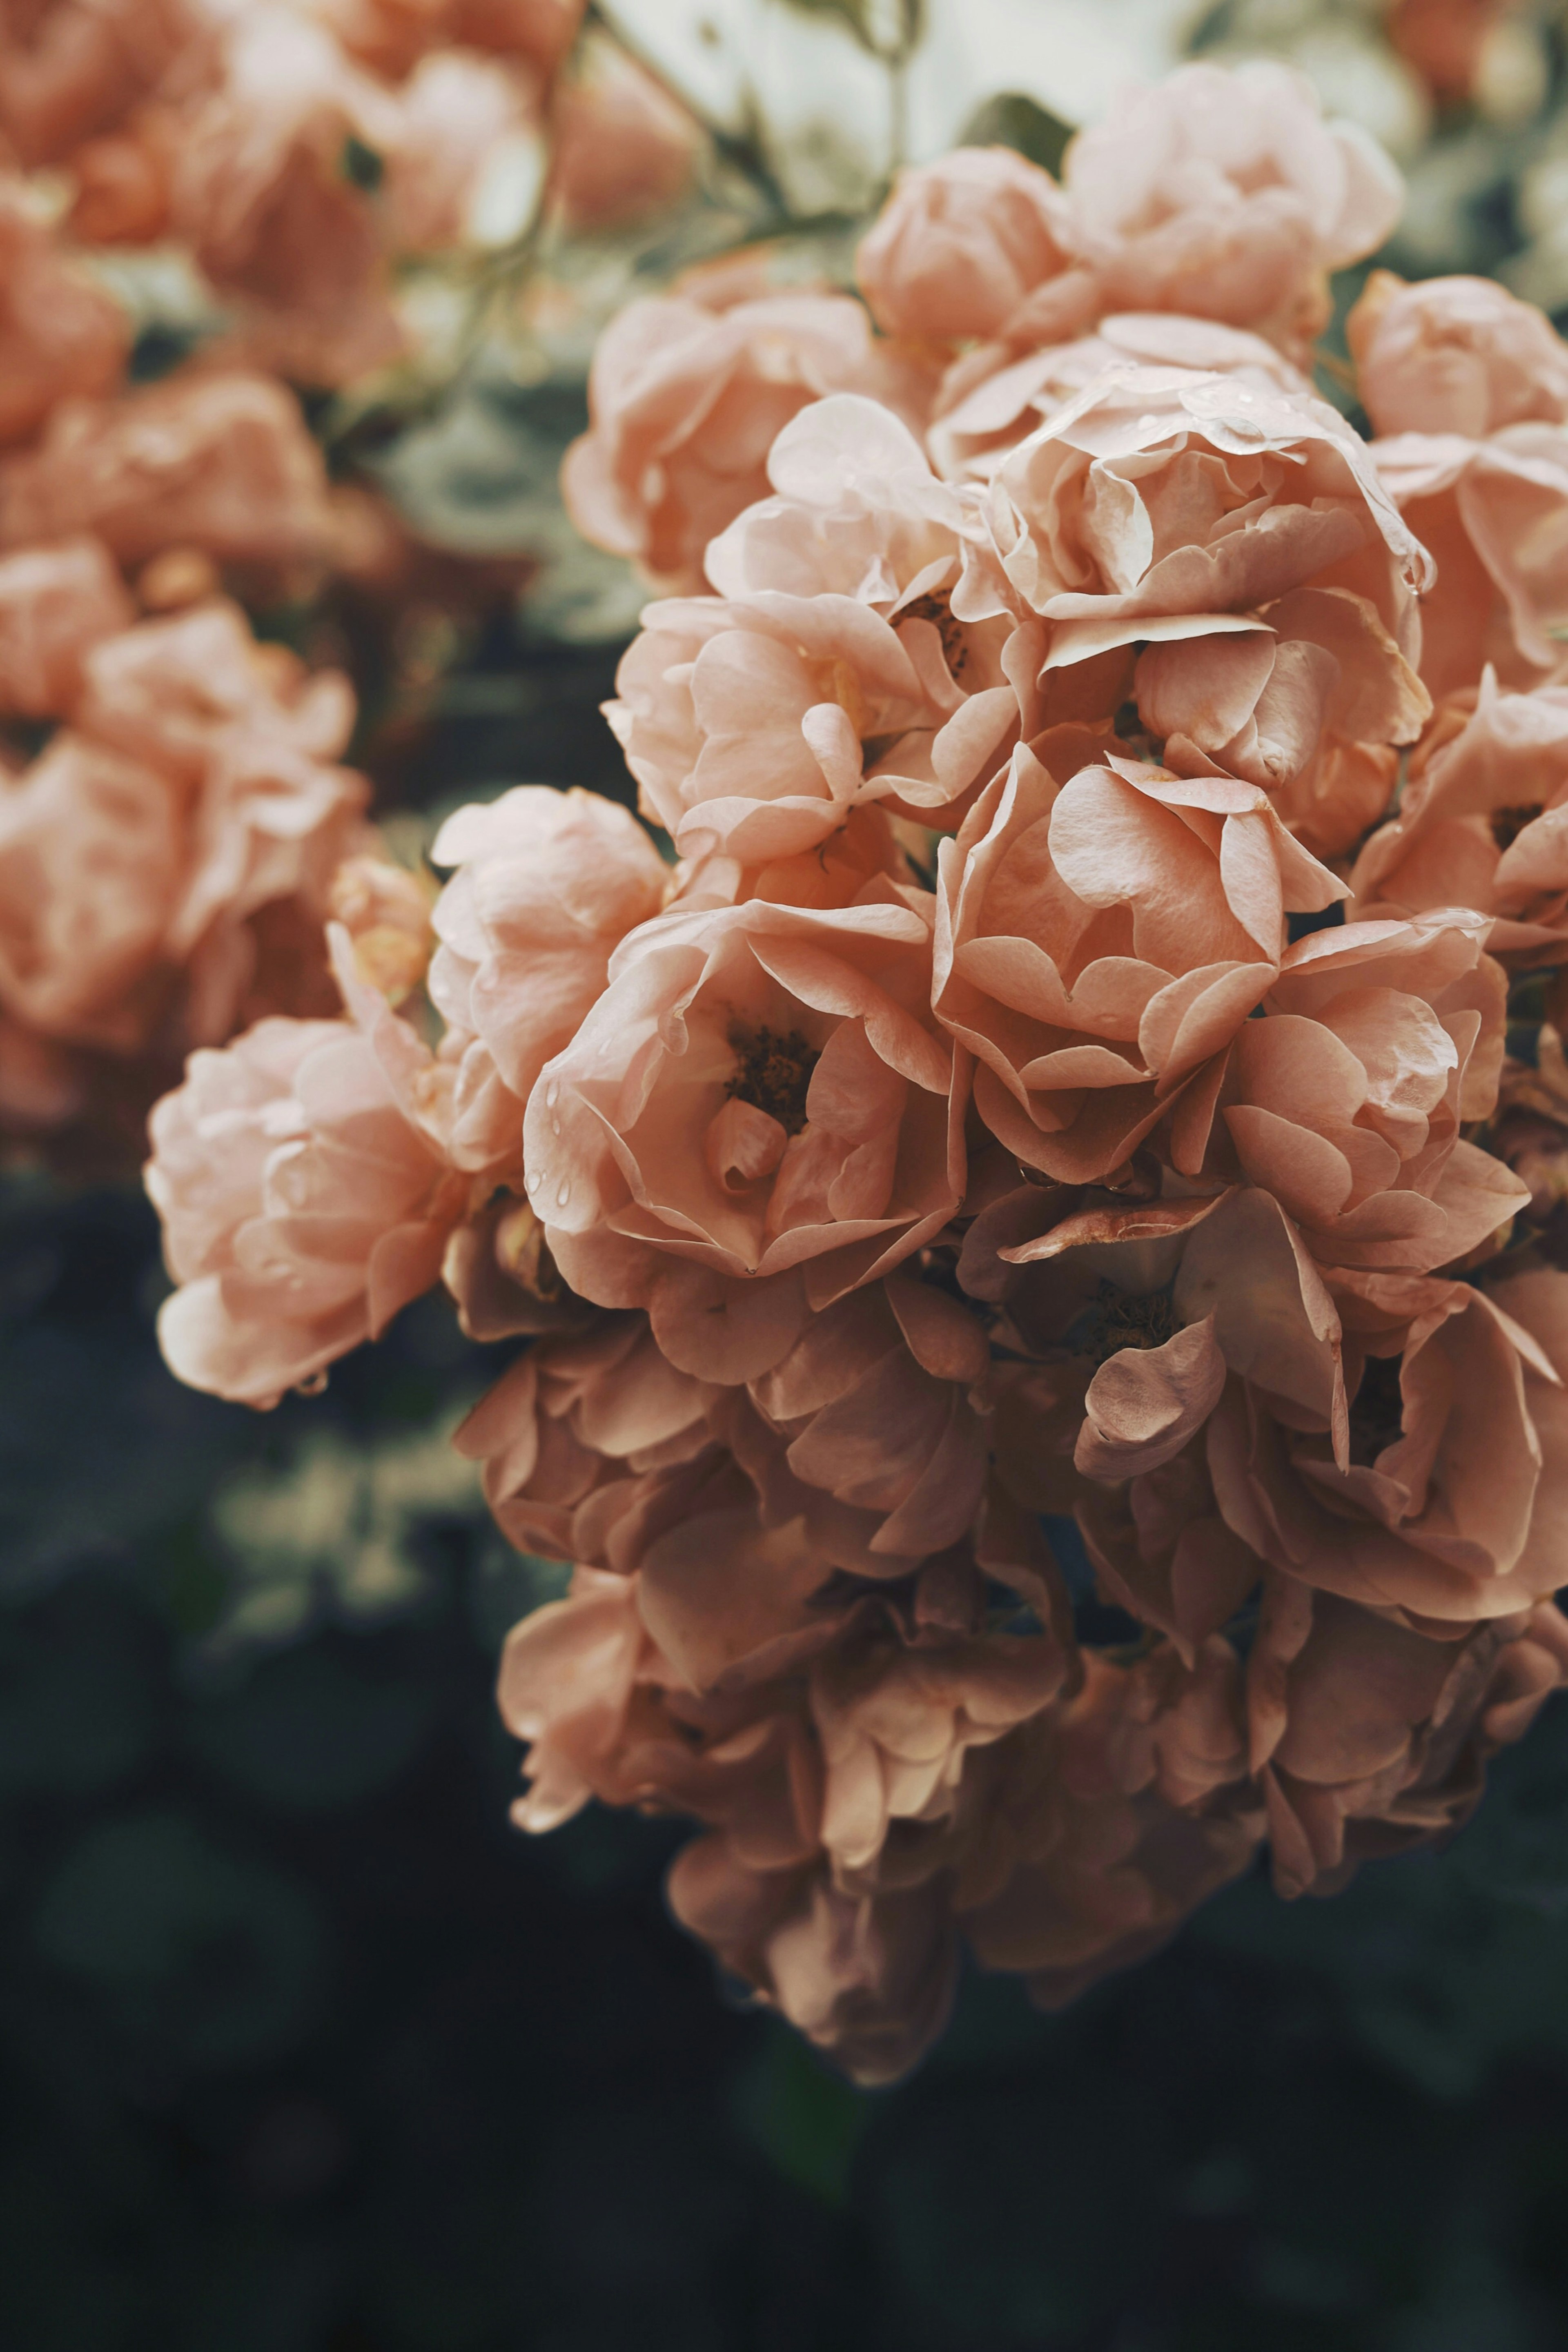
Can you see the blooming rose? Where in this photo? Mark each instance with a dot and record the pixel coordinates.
(56, 603)
(963, 242)
(547, 884)
(304, 1194)
(61, 335)
(1345, 1100)
(223, 464)
(863, 645)
(1494, 515)
(1455, 355)
(1480, 823)
(1100, 942)
(688, 398)
(1449, 1507)
(760, 1090)
(1221, 192)
(70, 70)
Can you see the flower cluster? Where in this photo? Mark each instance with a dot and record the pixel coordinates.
(1056, 1143)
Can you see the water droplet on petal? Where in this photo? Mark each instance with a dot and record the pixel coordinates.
(552, 1096)
(533, 1181)
(555, 1126)
(562, 1192)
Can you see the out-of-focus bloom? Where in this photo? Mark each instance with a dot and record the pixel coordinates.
(392, 36)
(1455, 355)
(1450, 1508)
(962, 243)
(1369, 1737)
(863, 646)
(466, 126)
(548, 885)
(688, 394)
(1480, 823)
(166, 852)
(304, 1195)
(1445, 42)
(259, 193)
(56, 603)
(1221, 192)
(1494, 515)
(223, 464)
(71, 70)
(1378, 1041)
(61, 335)
(385, 910)
(760, 1092)
(622, 147)
(1101, 942)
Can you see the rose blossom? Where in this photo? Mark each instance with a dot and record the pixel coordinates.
(1455, 355)
(862, 645)
(1100, 942)
(759, 1092)
(304, 1194)
(962, 243)
(1450, 1508)
(548, 885)
(623, 148)
(1481, 823)
(61, 334)
(1494, 516)
(1370, 1738)
(221, 463)
(687, 396)
(56, 603)
(73, 68)
(1221, 192)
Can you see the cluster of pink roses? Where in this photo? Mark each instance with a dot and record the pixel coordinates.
(952, 1186)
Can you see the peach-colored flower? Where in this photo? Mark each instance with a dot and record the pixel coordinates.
(61, 334)
(1164, 507)
(1099, 943)
(1494, 515)
(1455, 355)
(1369, 1737)
(548, 885)
(1450, 1508)
(1221, 192)
(622, 147)
(963, 242)
(70, 70)
(385, 910)
(303, 1196)
(1480, 823)
(223, 464)
(161, 850)
(459, 119)
(259, 196)
(1101, 1842)
(990, 399)
(1346, 1098)
(1444, 42)
(56, 603)
(760, 1092)
(863, 645)
(687, 398)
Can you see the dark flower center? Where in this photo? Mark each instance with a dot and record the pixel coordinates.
(1118, 1319)
(1377, 1415)
(1508, 823)
(938, 611)
(773, 1071)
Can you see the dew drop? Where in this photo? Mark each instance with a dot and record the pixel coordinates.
(562, 1192)
(555, 1126)
(533, 1181)
(552, 1096)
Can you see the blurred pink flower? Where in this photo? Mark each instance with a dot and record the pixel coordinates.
(963, 242)
(62, 335)
(1455, 355)
(71, 70)
(56, 603)
(622, 148)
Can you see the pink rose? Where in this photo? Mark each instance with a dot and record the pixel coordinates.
(304, 1194)
(1221, 192)
(1100, 944)
(623, 148)
(56, 603)
(1492, 514)
(859, 607)
(1480, 823)
(687, 400)
(62, 336)
(760, 1090)
(548, 885)
(1455, 355)
(223, 464)
(70, 70)
(962, 242)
